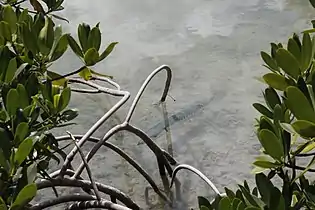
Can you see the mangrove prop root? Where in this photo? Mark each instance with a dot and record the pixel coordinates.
(67, 177)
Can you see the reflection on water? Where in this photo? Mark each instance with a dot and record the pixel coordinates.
(213, 48)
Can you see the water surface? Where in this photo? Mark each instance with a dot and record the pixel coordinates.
(213, 48)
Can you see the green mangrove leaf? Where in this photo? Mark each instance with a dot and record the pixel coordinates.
(56, 100)
(304, 89)
(299, 105)
(265, 164)
(46, 36)
(12, 67)
(91, 57)
(23, 96)
(294, 48)
(263, 110)
(304, 128)
(108, 50)
(264, 187)
(64, 98)
(10, 17)
(83, 33)
(225, 204)
(235, 203)
(276, 81)
(288, 63)
(74, 46)
(23, 151)
(94, 40)
(21, 132)
(24, 196)
(60, 49)
(306, 52)
(5, 30)
(271, 144)
(271, 63)
(202, 201)
(265, 123)
(12, 102)
(271, 97)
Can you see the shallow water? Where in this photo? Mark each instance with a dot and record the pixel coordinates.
(213, 48)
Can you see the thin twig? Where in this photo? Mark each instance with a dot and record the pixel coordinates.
(299, 167)
(69, 74)
(97, 194)
(305, 155)
(18, 2)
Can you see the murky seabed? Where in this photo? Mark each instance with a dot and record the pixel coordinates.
(213, 48)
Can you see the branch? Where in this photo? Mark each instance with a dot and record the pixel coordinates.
(18, 2)
(196, 171)
(97, 204)
(128, 159)
(68, 182)
(70, 172)
(162, 160)
(98, 196)
(80, 90)
(69, 74)
(170, 158)
(61, 199)
(145, 84)
(83, 202)
(109, 81)
(152, 145)
(90, 132)
(305, 155)
(299, 167)
(125, 95)
(98, 145)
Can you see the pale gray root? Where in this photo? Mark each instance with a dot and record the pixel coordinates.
(125, 96)
(104, 204)
(129, 159)
(62, 199)
(81, 201)
(197, 172)
(68, 182)
(145, 84)
(97, 194)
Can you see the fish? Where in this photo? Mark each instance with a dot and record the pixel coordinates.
(184, 114)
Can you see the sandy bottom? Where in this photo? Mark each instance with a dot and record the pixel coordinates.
(213, 48)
